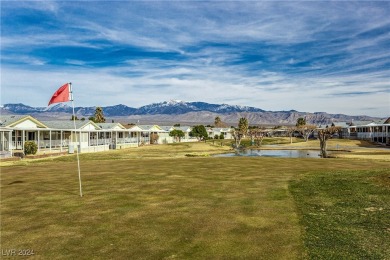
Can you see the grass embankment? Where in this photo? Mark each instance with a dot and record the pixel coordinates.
(154, 203)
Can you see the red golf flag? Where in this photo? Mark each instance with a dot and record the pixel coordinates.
(61, 95)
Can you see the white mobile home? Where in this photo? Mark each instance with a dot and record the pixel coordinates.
(379, 133)
(61, 136)
(151, 130)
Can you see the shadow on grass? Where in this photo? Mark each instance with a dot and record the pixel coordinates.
(15, 182)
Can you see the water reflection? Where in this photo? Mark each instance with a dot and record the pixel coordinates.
(274, 153)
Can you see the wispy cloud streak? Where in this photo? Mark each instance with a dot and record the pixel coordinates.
(273, 55)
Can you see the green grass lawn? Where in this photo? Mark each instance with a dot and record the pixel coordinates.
(345, 213)
(154, 203)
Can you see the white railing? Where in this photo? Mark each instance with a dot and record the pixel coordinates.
(144, 140)
(52, 144)
(372, 135)
(42, 144)
(96, 142)
(128, 140)
(17, 145)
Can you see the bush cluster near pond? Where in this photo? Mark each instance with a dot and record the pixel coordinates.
(155, 203)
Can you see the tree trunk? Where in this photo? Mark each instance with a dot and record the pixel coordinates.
(307, 136)
(238, 142)
(323, 136)
(323, 148)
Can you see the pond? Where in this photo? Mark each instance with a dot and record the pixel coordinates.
(273, 153)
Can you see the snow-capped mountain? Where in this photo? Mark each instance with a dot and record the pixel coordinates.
(118, 110)
(224, 108)
(180, 107)
(21, 108)
(60, 107)
(181, 111)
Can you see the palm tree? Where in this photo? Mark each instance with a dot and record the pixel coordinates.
(239, 133)
(217, 121)
(243, 125)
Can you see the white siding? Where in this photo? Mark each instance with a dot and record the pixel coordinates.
(88, 127)
(27, 124)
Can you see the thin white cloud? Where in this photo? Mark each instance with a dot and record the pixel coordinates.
(29, 60)
(276, 56)
(46, 6)
(216, 86)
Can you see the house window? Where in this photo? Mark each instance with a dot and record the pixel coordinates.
(31, 135)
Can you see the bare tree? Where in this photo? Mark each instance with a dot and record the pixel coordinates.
(153, 138)
(257, 135)
(290, 131)
(324, 134)
(306, 130)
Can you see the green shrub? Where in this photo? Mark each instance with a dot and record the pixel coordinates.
(30, 147)
(216, 136)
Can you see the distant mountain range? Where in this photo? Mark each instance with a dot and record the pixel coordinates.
(173, 107)
(175, 111)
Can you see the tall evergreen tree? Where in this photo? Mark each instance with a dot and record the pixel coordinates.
(301, 121)
(99, 116)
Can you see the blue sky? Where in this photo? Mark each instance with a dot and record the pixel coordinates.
(309, 56)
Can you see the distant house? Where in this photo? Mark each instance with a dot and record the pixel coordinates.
(379, 133)
(64, 134)
(164, 136)
(5, 142)
(118, 136)
(186, 130)
(344, 129)
(374, 131)
(141, 135)
(167, 128)
(21, 129)
(226, 132)
(50, 136)
(154, 129)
